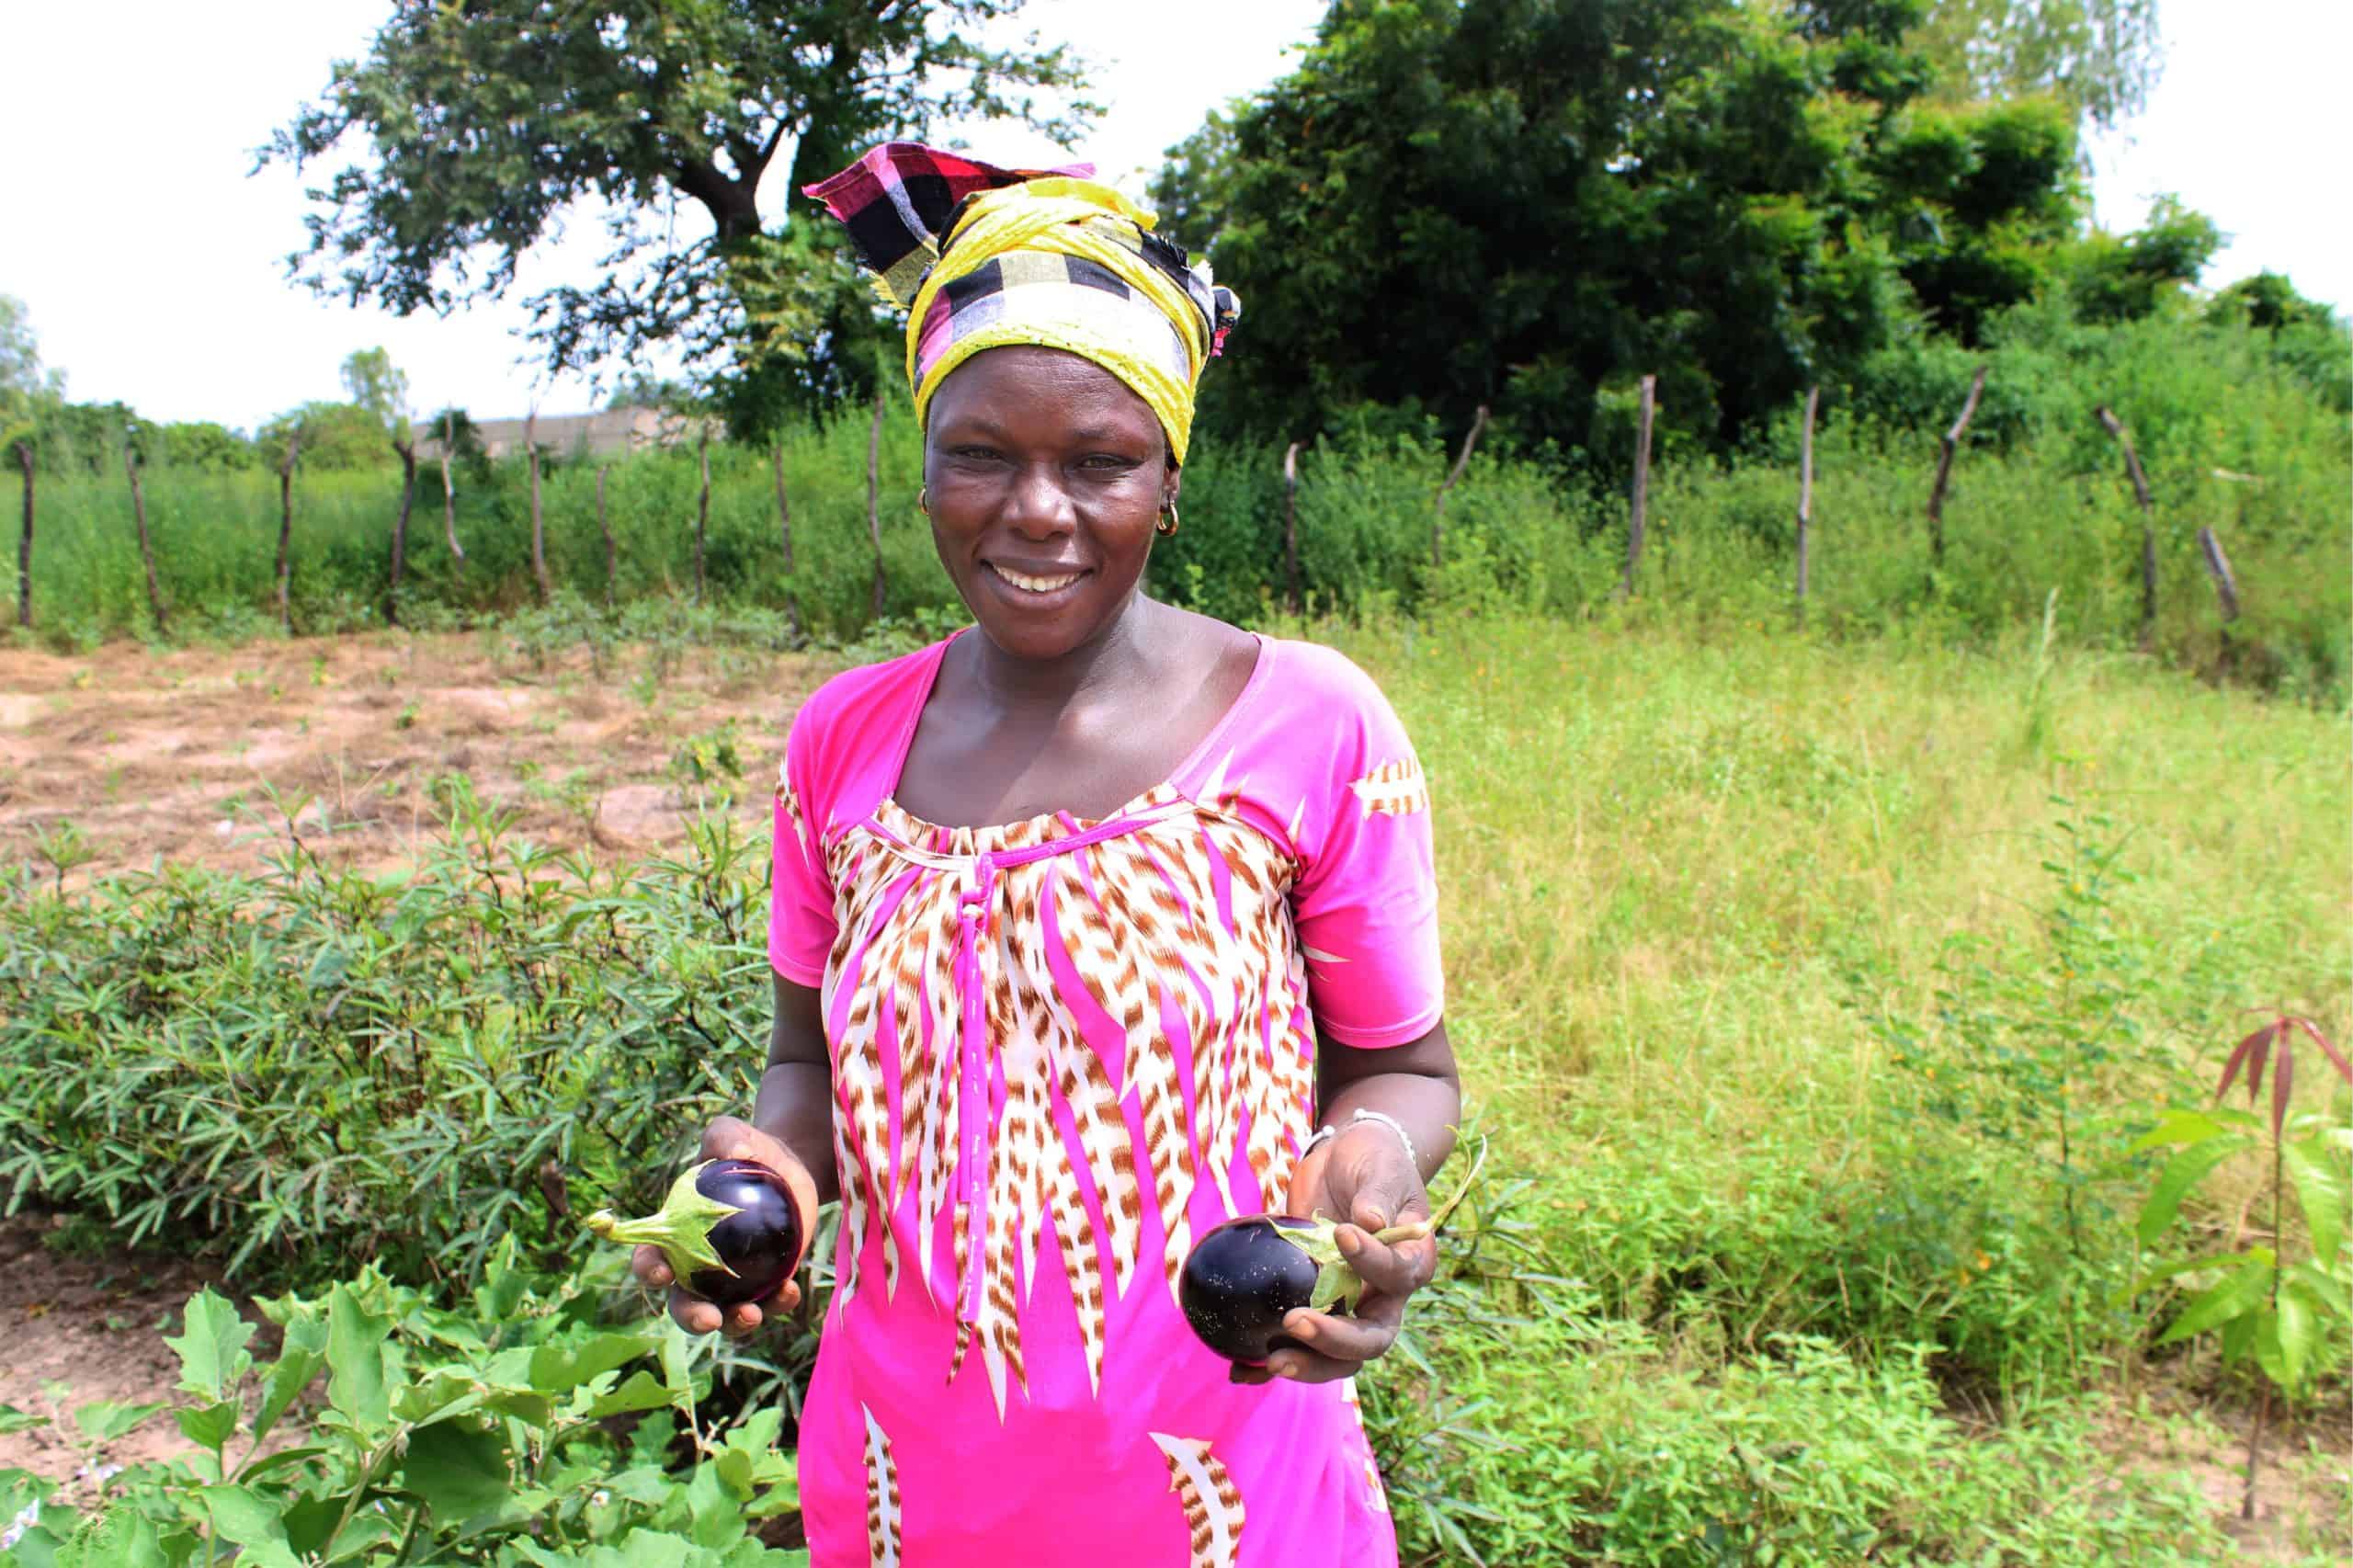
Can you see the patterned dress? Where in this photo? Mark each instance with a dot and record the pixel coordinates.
(1059, 1050)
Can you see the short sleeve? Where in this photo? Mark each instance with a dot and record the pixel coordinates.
(1366, 899)
(801, 896)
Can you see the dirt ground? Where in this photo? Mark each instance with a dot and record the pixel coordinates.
(112, 759)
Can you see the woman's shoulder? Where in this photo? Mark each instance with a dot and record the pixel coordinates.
(1310, 712)
(861, 713)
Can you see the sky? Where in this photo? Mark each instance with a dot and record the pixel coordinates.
(152, 260)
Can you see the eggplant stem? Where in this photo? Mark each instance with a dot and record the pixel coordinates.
(1420, 1230)
(680, 1228)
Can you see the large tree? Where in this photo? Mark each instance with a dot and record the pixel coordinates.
(1525, 204)
(472, 129)
(2100, 57)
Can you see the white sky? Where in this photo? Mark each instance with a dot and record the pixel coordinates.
(152, 264)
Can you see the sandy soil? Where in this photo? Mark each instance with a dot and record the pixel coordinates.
(172, 754)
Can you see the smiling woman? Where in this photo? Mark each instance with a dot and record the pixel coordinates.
(1095, 927)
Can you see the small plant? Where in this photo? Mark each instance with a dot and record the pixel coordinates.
(2280, 1314)
(709, 761)
(65, 847)
(406, 718)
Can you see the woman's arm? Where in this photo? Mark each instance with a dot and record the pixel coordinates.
(795, 1102)
(1415, 1085)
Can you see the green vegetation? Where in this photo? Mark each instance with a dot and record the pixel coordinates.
(1817, 991)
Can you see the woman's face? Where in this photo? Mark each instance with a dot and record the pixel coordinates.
(1046, 474)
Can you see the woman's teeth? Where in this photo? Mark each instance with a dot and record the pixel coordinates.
(1035, 584)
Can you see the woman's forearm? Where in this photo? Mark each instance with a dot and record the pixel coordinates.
(795, 1107)
(1414, 1084)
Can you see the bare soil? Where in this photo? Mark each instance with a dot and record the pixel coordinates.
(175, 754)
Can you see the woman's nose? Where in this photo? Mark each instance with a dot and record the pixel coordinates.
(1039, 506)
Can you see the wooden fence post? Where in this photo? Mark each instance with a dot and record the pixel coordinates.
(2218, 566)
(1291, 527)
(539, 528)
(448, 492)
(1641, 492)
(1461, 461)
(604, 529)
(286, 530)
(2132, 471)
(1805, 492)
(702, 507)
(1944, 466)
(873, 498)
(24, 541)
(784, 533)
(146, 549)
(406, 451)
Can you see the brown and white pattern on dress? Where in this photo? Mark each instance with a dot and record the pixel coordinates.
(1396, 789)
(1180, 935)
(1213, 1510)
(881, 1496)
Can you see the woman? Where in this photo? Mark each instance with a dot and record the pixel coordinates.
(1094, 926)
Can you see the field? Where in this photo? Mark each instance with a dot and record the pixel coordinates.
(1739, 921)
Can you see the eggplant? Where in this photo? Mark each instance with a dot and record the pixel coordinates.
(729, 1230)
(1245, 1275)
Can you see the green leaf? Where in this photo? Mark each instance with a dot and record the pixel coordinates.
(2179, 1127)
(104, 1420)
(458, 1472)
(211, 1347)
(125, 1538)
(643, 1391)
(560, 1369)
(2182, 1172)
(2267, 1346)
(13, 1420)
(357, 1372)
(2320, 1190)
(2299, 1334)
(253, 1521)
(2332, 1292)
(2235, 1297)
(211, 1426)
(304, 1352)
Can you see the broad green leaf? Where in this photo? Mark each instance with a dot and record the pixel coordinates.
(458, 1472)
(252, 1520)
(368, 1531)
(268, 1463)
(2233, 1297)
(2299, 1334)
(358, 1373)
(2320, 1190)
(2267, 1346)
(13, 1420)
(125, 1538)
(2182, 1172)
(304, 1352)
(211, 1426)
(643, 1391)
(436, 1396)
(2238, 1338)
(715, 1519)
(2332, 1292)
(560, 1369)
(104, 1420)
(212, 1347)
(2179, 1127)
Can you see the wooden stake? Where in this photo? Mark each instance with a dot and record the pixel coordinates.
(448, 493)
(2218, 566)
(1291, 526)
(605, 528)
(1805, 491)
(408, 454)
(873, 499)
(1944, 466)
(146, 550)
(784, 533)
(1641, 492)
(1461, 461)
(24, 541)
(286, 531)
(2132, 471)
(702, 507)
(539, 528)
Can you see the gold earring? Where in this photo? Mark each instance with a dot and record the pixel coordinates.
(923, 499)
(1168, 520)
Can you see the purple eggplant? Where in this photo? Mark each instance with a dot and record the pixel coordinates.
(1245, 1277)
(729, 1230)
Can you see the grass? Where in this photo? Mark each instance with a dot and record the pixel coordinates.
(1728, 908)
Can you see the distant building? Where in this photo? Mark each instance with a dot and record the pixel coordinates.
(615, 432)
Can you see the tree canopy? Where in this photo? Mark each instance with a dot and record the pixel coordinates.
(481, 126)
(2099, 57)
(379, 386)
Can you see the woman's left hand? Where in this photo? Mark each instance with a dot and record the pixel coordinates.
(1363, 1176)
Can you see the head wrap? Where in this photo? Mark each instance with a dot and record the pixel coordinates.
(983, 257)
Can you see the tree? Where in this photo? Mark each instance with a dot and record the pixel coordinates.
(22, 376)
(2099, 57)
(485, 123)
(380, 388)
(334, 436)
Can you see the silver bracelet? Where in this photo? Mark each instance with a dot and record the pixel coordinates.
(1395, 1126)
(1323, 1135)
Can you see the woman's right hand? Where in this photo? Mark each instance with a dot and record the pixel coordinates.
(729, 1138)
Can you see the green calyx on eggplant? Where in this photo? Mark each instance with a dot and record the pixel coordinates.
(729, 1230)
(1244, 1277)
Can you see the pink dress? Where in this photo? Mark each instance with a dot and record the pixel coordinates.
(1061, 1050)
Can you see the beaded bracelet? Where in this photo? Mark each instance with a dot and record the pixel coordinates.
(1324, 1134)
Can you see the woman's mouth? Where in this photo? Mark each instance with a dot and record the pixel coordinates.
(1034, 585)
